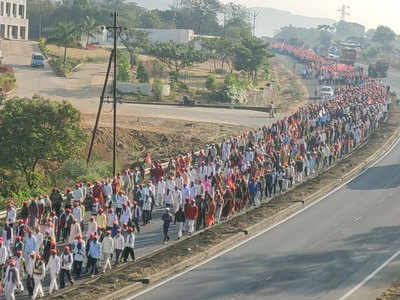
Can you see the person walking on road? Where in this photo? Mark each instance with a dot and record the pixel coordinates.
(191, 216)
(107, 249)
(39, 272)
(66, 267)
(53, 268)
(129, 245)
(119, 245)
(78, 255)
(167, 219)
(93, 256)
(12, 281)
(180, 221)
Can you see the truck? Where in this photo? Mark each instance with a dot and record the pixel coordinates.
(348, 56)
(378, 69)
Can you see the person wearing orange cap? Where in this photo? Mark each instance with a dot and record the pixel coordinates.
(56, 199)
(39, 272)
(191, 216)
(129, 245)
(119, 245)
(79, 250)
(92, 226)
(11, 214)
(12, 280)
(94, 254)
(53, 268)
(20, 263)
(107, 249)
(126, 214)
(66, 260)
(101, 218)
(8, 236)
(75, 230)
(29, 265)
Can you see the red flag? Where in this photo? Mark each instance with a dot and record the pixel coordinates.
(148, 158)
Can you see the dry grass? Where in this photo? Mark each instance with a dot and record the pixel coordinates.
(95, 55)
(162, 138)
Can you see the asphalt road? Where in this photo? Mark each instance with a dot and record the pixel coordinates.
(321, 253)
(83, 89)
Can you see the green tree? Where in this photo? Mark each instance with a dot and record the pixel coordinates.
(251, 56)
(65, 35)
(384, 35)
(34, 131)
(123, 67)
(89, 28)
(134, 40)
(177, 57)
(141, 74)
(211, 83)
(157, 89)
(345, 30)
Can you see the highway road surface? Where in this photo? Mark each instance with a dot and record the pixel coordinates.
(322, 253)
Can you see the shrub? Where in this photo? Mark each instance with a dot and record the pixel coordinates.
(43, 47)
(156, 69)
(62, 69)
(157, 89)
(77, 170)
(123, 74)
(6, 69)
(141, 74)
(211, 83)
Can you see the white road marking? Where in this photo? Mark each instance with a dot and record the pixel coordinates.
(274, 226)
(370, 276)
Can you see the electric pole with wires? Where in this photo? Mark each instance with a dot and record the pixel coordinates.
(112, 61)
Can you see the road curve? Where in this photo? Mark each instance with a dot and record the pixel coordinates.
(322, 253)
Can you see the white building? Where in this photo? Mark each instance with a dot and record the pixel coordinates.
(181, 36)
(13, 21)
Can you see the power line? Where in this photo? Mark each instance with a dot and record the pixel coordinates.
(344, 13)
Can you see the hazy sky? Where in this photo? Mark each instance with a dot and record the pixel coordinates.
(370, 13)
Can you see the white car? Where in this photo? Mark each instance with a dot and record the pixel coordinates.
(326, 92)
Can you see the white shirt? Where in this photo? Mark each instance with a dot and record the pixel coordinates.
(11, 215)
(130, 240)
(54, 264)
(107, 246)
(4, 254)
(119, 242)
(66, 261)
(161, 187)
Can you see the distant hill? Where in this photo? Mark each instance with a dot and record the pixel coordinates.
(269, 20)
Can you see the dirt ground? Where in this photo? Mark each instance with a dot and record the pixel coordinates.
(175, 253)
(291, 92)
(162, 138)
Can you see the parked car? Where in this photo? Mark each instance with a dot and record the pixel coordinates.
(187, 101)
(37, 60)
(326, 92)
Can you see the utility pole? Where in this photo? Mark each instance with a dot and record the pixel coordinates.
(115, 28)
(254, 21)
(343, 11)
(113, 61)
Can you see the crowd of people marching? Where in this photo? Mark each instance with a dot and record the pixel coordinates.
(63, 235)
